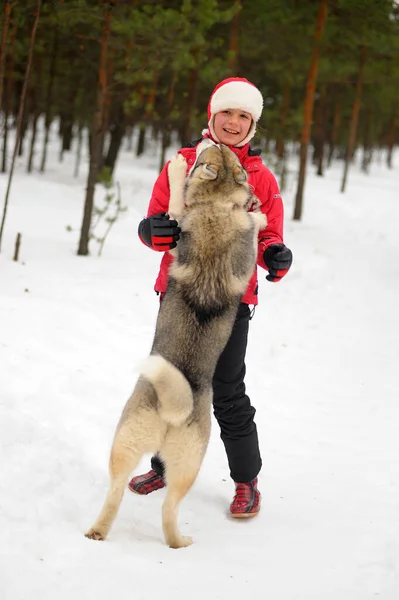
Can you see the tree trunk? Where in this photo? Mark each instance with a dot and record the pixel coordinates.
(36, 113)
(108, 98)
(354, 118)
(107, 108)
(78, 150)
(141, 140)
(392, 138)
(321, 132)
(97, 133)
(192, 93)
(320, 160)
(49, 99)
(165, 145)
(308, 107)
(234, 39)
(5, 138)
(117, 134)
(130, 131)
(3, 50)
(316, 138)
(334, 132)
(66, 122)
(24, 126)
(280, 144)
(367, 142)
(20, 113)
(7, 100)
(67, 129)
(149, 109)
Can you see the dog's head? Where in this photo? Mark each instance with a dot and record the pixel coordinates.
(217, 176)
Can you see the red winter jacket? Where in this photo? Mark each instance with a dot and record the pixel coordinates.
(265, 189)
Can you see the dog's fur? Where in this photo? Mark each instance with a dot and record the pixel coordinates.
(169, 410)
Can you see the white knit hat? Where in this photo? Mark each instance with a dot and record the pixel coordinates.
(236, 92)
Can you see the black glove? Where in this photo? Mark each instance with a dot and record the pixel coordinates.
(159, 232)
(278, 259)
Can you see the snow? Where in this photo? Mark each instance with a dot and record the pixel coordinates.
(321, 370)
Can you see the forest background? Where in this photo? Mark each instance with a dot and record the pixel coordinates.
(328, 71)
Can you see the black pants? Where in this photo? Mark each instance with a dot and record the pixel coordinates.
(232, 407)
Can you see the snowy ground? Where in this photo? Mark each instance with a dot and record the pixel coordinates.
(322, 372)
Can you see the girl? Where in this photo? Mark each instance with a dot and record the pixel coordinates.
(234, 108)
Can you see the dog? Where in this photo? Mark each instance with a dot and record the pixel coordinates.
(169, 409)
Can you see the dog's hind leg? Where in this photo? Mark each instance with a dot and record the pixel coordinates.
(139, 433)
(183, 452)
(124, 458)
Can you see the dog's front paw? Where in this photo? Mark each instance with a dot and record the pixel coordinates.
(93, 534)
(260, 220)
(177, 168)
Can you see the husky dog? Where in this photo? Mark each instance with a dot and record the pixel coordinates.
(169, 410)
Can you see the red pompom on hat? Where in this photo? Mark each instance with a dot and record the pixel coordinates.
(236, 92)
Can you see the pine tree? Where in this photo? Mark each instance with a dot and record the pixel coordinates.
(308, 106)
(97, 131)
(21, 113)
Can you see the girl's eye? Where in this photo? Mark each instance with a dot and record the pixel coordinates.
(245, 116)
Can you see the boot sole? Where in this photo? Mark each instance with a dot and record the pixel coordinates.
(134, 491)
(140, 493)
(244, 515)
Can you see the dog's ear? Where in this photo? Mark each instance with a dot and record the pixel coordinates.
(240, 174)
(208, 172)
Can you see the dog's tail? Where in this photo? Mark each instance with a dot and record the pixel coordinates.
(172, 388)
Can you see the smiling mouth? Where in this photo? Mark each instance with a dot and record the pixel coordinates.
(230, 131)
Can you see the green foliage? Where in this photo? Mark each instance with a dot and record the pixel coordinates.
(154, 46)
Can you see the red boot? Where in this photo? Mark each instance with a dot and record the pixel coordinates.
(246, 502)
(147, 483)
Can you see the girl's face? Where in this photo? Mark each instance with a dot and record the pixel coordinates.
(232, 126)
